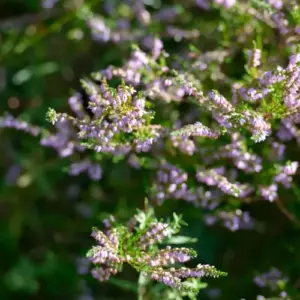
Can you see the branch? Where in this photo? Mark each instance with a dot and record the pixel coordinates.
(289, 215)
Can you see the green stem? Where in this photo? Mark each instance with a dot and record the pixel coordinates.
(142, 283)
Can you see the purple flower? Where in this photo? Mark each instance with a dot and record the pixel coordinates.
(102, 273)
(270, 279)
(184, 144)
(47, 4)
(226, 3)
(213, 178)
(99, 30)
(259, 127)
(278, 150)
(210, 220)
(269, 192)
(285, 174)
(13, 174)
(179, 34)
(154, 44)
(254, 58)
(166, 14)
(236, 220)
(170, 256)
(204, 4)
(278, 4)
(281, 22)
(197, 129)
(94, 171)
(242, 158)
(10, 122)
(165, 278)
(171, 184)
(75, 103)
(220, 101)
(156, 232)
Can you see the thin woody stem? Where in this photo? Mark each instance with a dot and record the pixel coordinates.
(289, 215)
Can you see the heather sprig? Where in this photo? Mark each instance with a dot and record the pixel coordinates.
(196, 129)
(121, 120)
(9, 121)
(214, 177)
(137, 245)
(275, 281)
(93, 170)
(232, 220)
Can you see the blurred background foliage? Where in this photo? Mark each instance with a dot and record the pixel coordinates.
(46, 215)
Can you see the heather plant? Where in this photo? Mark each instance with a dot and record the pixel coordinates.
(193, 105)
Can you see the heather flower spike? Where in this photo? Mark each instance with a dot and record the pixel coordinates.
(9, 121)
